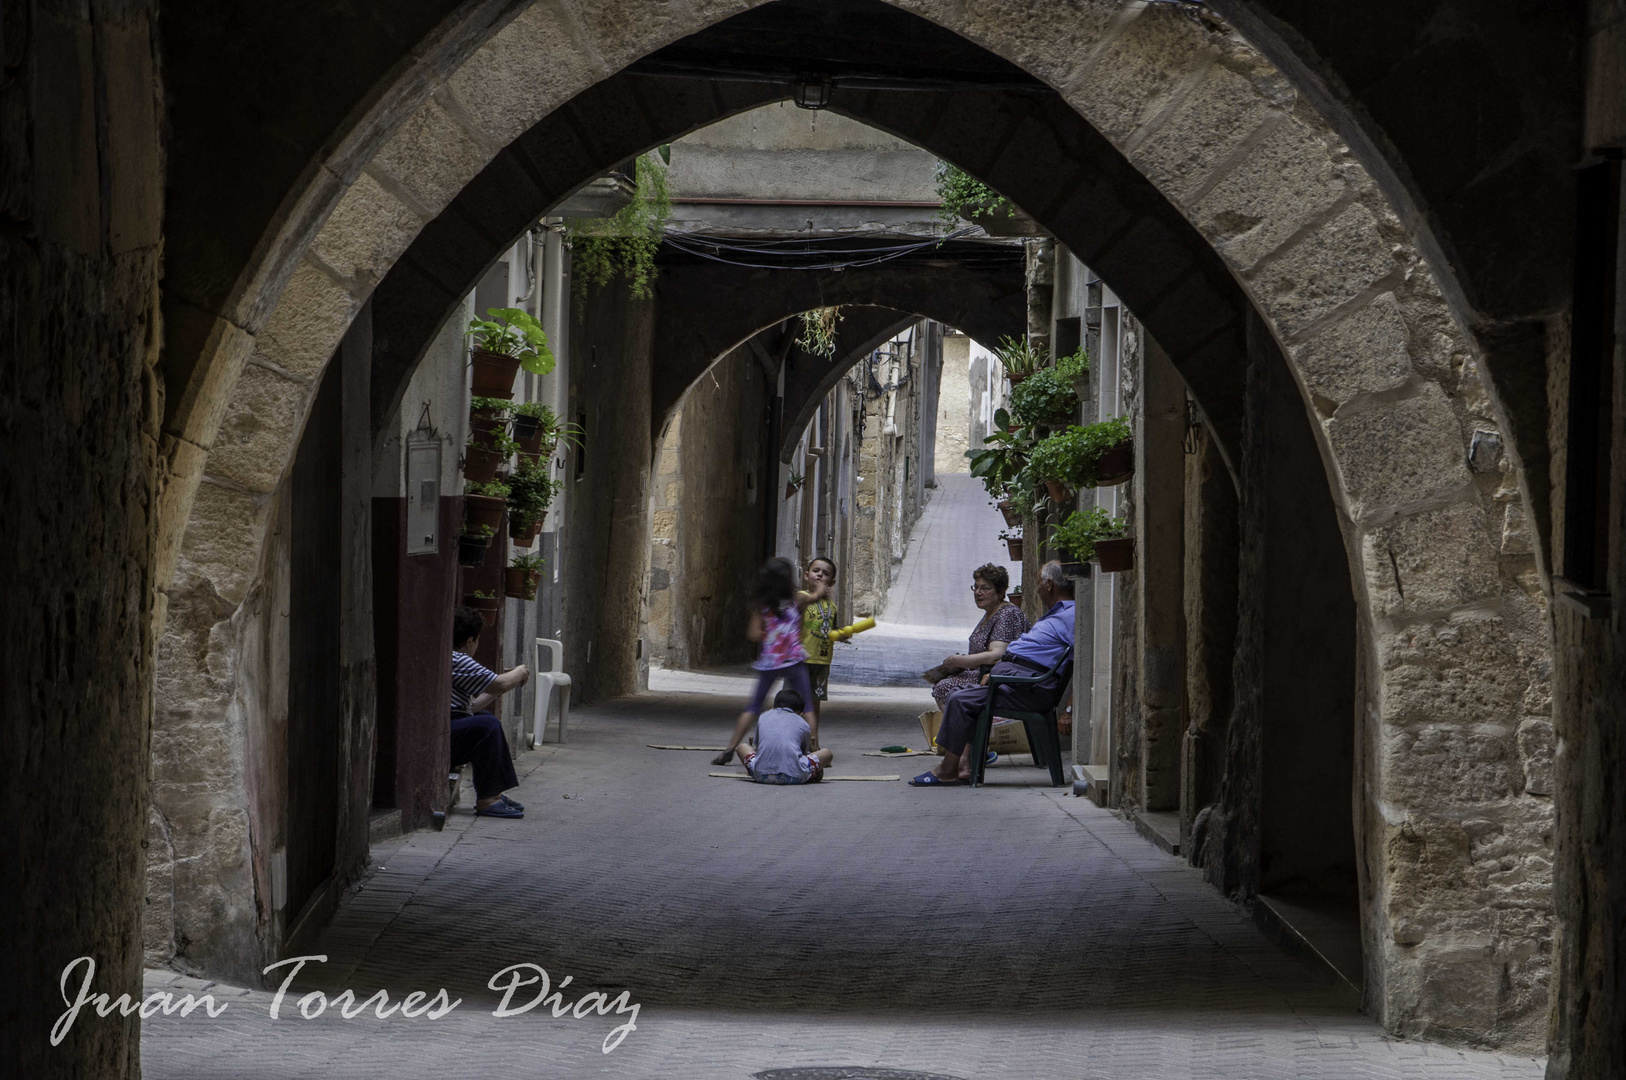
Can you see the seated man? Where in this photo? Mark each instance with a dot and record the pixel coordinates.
(781, 756)
(477, 735)
(1034, 653)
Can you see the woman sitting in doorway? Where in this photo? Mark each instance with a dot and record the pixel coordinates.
(1002, 623)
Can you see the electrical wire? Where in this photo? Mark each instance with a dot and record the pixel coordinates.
(875, 255)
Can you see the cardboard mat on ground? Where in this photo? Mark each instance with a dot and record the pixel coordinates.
(1008, 736)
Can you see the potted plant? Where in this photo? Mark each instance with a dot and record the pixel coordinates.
(486, 604)
(549, 432)
(794, 484)
(487, 451)
(472, 545)
(1019, 359)
(487, 413)
(484, 503)
(530, 493)
(1091, 534)
(526, 427)
(1013, 543)
(1073, 456)
(1044, 399)
(1013, 517)
(1005, 451)
(508, 340)
(519, 580)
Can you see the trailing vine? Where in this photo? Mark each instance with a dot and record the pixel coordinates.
(964, 196)
(819, 331)
(624, 244)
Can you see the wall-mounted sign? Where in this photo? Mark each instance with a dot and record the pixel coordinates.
(423, 498)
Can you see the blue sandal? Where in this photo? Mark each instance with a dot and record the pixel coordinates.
(511, 802)
(931, 779)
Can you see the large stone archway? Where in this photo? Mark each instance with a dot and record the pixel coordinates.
(1270, 209)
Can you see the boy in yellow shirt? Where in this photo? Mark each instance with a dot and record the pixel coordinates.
(818, 619)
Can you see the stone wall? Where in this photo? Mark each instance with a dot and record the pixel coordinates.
(706, 525)
(606, 557)
(81, 401)
(955, 406)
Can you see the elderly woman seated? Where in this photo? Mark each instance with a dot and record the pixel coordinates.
(1002, 623)
(1048, 642)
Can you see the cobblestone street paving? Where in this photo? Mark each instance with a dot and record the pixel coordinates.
(1012, 931)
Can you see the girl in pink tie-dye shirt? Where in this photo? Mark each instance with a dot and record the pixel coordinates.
(777, 625)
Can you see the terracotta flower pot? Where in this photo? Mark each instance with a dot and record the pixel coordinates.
(520, 584)
(1060, 493)
(493, 374)
(526, 427)
(471, 550)
(523, 532)
(1076, 569)
(1014, 546)
(481, 465)
(530, 443)
(1116, 466)
(1115, 556)
(1012, 518)
(484, 510)
(486, 606)
(486, 419)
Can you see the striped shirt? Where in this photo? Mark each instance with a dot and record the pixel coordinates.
(469, 680)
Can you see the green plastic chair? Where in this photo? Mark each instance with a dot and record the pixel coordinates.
(1044, 739)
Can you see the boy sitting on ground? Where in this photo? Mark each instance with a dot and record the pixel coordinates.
(783, 739)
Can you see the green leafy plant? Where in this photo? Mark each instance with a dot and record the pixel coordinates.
(1018, 358)
(478, 532)
(555, 432)
(513, 332)
(1069, 456)
(531, 492)
(1003, 455)
(491, 489)
(819, 331)
(964, 196)
(624, 244)
(490, 404)
(1044, 399)
(1083, 529)
(1074, 366)
(483, 595)
(537, 409)
(1021, 497)
(532, 563)
(497, 443)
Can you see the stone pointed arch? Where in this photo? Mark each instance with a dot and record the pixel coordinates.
(1237, 194)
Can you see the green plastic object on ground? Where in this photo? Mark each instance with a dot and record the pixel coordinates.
(894, 749)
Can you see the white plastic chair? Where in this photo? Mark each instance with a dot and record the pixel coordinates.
(546, 680)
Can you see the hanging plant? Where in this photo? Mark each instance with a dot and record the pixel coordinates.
(964, 196)
(1044, 399)
(1072, 456)
(624, 244)
(819, 331)
(1019, 359)
(1083, 530)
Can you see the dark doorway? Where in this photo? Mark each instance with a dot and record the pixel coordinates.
(313, 650)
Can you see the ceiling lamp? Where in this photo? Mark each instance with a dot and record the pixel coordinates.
(812, 92)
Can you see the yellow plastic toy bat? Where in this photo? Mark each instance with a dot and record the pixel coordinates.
(845, 632)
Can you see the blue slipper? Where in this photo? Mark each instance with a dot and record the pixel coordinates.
(511, 802)
(930, 779)
(500, 809)
(992, 757)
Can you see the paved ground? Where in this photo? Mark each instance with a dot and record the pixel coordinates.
(929, 612)
(1012, 931)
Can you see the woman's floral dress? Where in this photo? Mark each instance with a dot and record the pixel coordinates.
(1006, 624)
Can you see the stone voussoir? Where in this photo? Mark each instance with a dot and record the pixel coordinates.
(1406, 455)
(1135, 74)
(306, 327)
(261, 430)
(366, 233)
(1432, 561)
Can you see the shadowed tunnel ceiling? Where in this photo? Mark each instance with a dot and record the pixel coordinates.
(944, 94)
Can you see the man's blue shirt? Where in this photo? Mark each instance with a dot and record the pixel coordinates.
(1050, 638)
